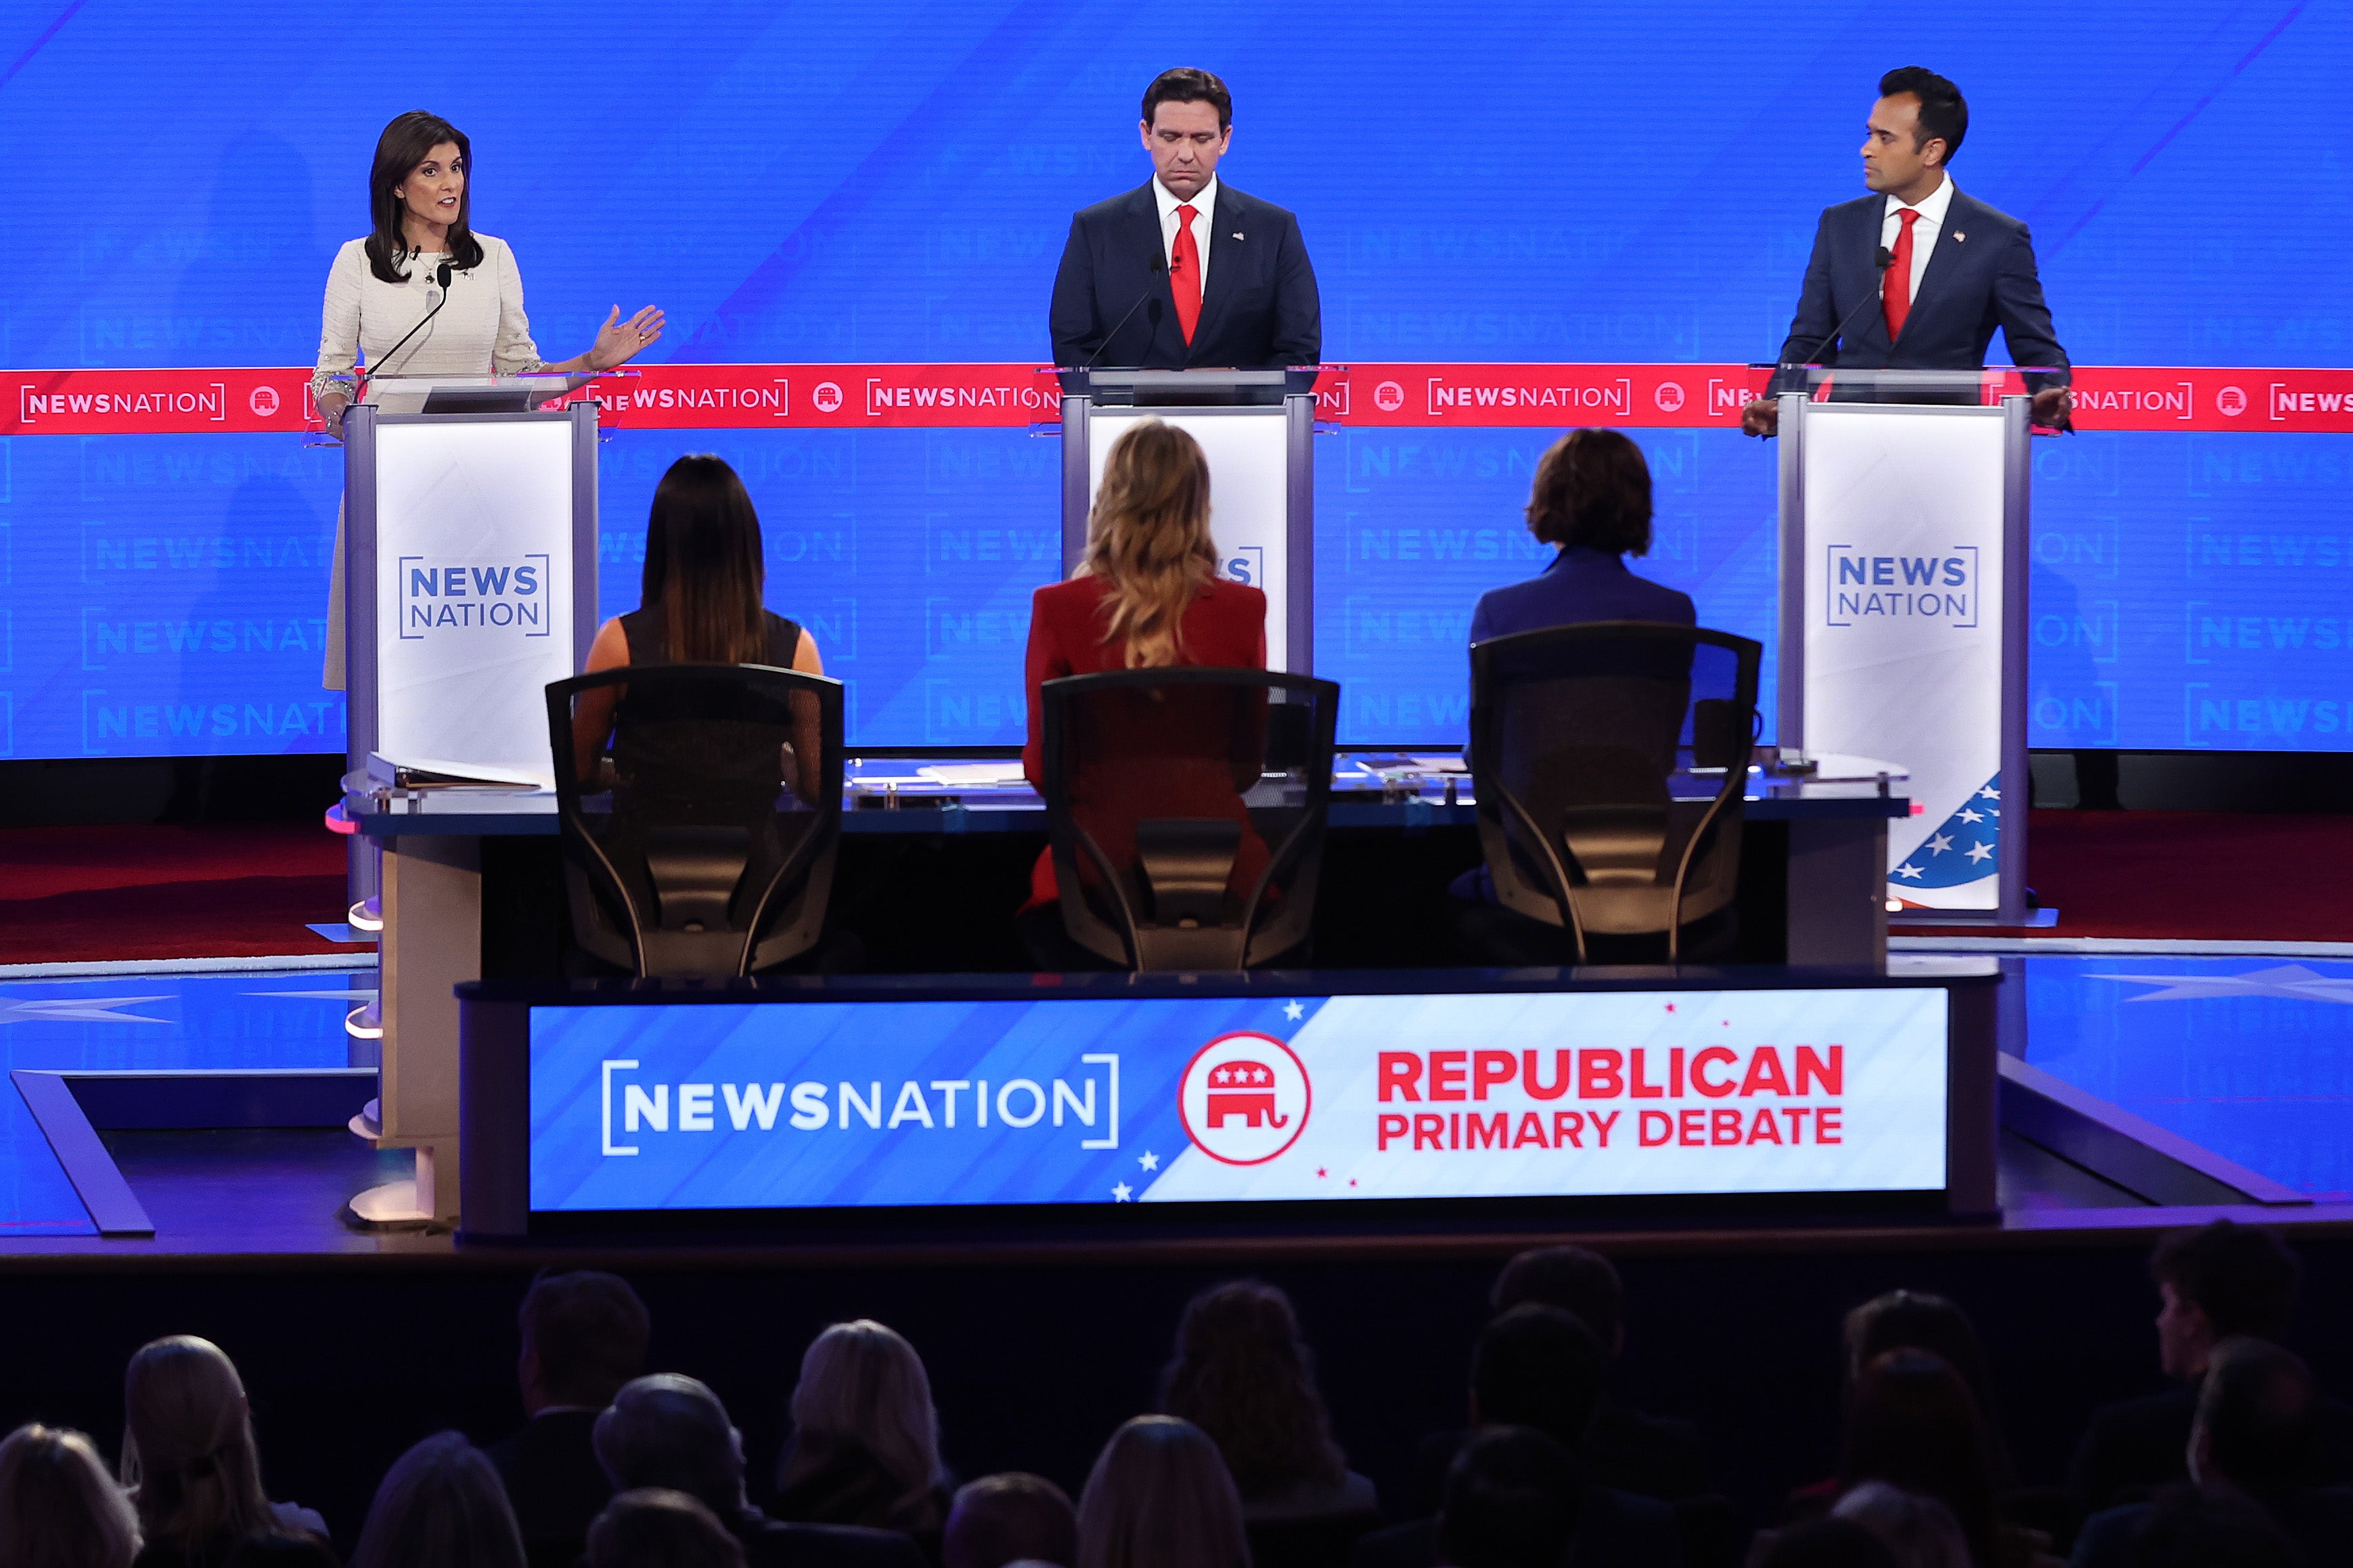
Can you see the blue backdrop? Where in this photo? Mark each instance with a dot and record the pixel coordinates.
(816, 181)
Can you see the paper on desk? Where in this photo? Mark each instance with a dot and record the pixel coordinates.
(1448, 764)
(972, 775)
(472, 772)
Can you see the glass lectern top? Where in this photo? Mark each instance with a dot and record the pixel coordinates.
(1125, 386)
(1947, 388)
(470, 393)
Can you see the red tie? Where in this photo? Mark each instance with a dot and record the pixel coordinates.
(1185, 274)
(1898, 294)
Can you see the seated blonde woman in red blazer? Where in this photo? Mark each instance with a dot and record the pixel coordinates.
(1147, 596)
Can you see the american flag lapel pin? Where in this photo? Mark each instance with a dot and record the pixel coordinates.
(1238, 234)
(1958, 236)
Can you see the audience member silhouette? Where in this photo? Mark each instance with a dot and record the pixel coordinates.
(2193, 1527)
(440, 1504)
(1539, 1367)
(2215, 1283)
(654, 1528)
(1911, 1423)
(282, 1549)
(670, 1432)
(2252, 1434)
(1159, 1497)
(1920, 1532)
(189, 1459)
(58, 1508)
(1014, 1516)
(1511, 1500)
(1652, 1456)
(1242, 1374)
(865, 1446)
(583, 1335)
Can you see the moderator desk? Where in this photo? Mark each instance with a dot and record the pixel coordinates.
(935, 860)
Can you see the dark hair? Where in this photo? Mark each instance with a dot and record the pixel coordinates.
(442, 1502)
(1576, 1279)
(1910, 1422)
(2257, 1408)
(2242, 1277)
(2188, 1528)
(1187, 85)
(1538, 1366)
(1242, 1374)
(1914, 1320)
(704, 567)
(1592, 488)
(1512, 1499)
(589, 1332)
(281, 1549)
(652, 1527)
(1944, 112)
(1827, 1543)
(403, 146)
(1010, 1518)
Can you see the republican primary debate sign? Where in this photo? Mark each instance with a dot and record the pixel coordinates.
(1210, 1099)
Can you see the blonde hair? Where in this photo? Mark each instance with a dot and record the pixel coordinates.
(1160, 1496)
(441, 1503)
(862, 1386)
(188, 1454)
(58, 1508)
(1148, 539)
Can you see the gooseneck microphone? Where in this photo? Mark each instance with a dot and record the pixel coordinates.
(440, 276)
(1884, 259)
(1155, 266)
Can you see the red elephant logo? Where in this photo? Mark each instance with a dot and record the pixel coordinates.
(1244, 1088)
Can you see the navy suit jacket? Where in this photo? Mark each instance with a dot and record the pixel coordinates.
(1581, 585)
(1980, 276)
(1261, 310)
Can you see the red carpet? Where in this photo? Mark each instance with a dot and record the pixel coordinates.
(94, 893)
(80, 894)
(2197, 874)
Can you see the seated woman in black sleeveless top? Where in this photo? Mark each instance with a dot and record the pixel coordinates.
(700, 604)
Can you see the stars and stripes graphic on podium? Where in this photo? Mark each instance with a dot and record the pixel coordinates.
(1966, 848)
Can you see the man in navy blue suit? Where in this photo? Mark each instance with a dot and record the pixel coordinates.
(1186, 270)
(1916, 276)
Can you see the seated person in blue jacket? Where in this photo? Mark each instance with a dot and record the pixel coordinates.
(1591, 499)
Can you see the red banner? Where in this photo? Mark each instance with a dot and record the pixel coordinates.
(918, 396)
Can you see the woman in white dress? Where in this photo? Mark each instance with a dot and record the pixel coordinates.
(421, 251)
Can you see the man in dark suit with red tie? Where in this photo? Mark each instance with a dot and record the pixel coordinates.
(1186, 270)
(1916, 276)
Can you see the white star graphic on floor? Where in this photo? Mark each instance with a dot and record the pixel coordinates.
(1122, 1192)
(1148, 1160)
(1295, 1011)
(1908, 870)
(2292, 982)
(1980, 853)
(76, 1010)
(1968, 816)
(1940, 842)
(1989, 792)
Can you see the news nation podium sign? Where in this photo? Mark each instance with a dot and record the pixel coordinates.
(649, 1104)
(473, 569)
(1902, 624)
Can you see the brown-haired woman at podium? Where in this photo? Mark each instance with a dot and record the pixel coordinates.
(423, 294)
(1146, 597)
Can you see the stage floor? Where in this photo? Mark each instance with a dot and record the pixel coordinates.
(2246, 1055)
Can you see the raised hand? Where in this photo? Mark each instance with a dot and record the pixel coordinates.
(619, 342)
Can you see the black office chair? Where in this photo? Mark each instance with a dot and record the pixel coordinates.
(1160, 862)
(699, 838)
(1574, 735)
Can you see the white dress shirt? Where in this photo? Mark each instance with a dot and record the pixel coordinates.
(1204, 209)
(1924, 230)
